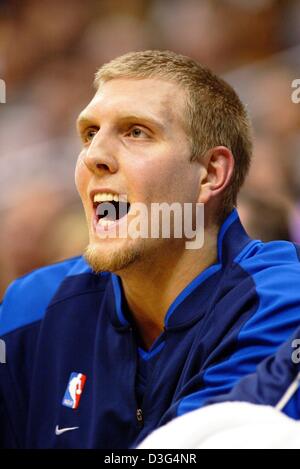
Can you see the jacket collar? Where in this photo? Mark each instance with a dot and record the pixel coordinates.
(192, 302)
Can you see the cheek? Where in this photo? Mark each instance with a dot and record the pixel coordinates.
(154, 180)
(156, 184)
(174, 180)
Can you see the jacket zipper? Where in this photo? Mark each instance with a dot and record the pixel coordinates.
(139, 411)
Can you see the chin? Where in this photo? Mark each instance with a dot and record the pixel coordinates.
(112, 259)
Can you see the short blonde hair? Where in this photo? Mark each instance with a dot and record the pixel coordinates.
(214, 113)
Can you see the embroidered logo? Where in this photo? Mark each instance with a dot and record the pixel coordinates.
(74, 390)
(60, 431)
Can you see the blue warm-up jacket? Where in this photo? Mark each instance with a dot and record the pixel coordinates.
(75, 375)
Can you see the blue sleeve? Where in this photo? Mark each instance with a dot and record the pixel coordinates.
(27, 297)
(8, 438)
(275, 382)
(16, 366)
(275, 320)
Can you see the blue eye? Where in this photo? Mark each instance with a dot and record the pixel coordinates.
(89, 135)
(137, 132)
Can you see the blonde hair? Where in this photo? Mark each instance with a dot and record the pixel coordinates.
(214, 113)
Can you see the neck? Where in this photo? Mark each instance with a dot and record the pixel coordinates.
(151, 289)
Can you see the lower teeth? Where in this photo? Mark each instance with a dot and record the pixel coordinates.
(105, 222)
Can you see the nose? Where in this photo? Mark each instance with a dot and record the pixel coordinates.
(101, 155)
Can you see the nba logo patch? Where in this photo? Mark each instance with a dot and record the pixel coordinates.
(74, 390)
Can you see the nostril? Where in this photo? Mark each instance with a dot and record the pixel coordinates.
(102, 166)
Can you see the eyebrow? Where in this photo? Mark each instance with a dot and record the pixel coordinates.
(85, 120)
(147, 119)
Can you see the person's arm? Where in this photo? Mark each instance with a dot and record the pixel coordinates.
(251, 372)
(276, 381)
(274, 298)
(275, 386)
(13, 384)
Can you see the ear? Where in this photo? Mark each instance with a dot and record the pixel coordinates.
(219, 164)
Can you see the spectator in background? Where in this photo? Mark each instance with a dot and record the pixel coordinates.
(33, 231)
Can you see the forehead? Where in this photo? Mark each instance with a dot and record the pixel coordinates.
(159, 98)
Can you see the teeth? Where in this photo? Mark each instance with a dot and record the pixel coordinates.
(106, 197)
(109, 197)
(106, 223)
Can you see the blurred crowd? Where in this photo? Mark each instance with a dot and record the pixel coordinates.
(49, 52)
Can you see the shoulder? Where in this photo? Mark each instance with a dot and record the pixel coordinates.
(27, 298)
(258, 256)
(274, 268)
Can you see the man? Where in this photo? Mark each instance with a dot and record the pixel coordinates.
(148, 328)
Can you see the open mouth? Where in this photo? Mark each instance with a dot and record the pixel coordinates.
(110, 208)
